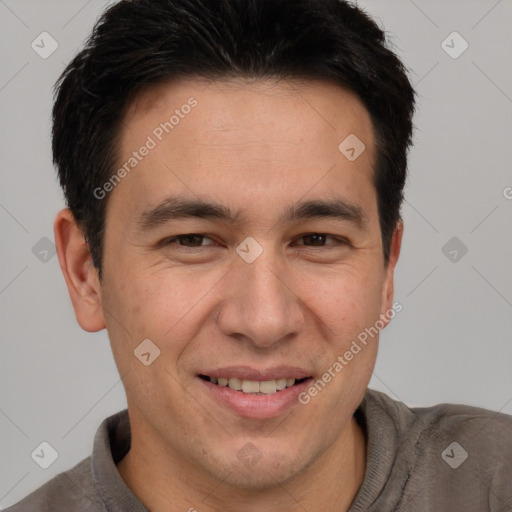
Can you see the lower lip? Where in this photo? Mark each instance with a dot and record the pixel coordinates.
(256, 406)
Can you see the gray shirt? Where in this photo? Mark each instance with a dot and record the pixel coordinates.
(446, 457)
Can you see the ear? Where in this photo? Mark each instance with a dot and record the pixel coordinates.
(388, 288)
(79, 272)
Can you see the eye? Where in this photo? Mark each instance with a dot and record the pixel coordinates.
(319, 239)
(188, 240)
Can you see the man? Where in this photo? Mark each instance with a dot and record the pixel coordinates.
(234, 172)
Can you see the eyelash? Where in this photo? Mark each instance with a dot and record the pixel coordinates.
(171, 240)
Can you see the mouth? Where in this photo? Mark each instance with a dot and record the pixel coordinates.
(255, 387)
(255, 393)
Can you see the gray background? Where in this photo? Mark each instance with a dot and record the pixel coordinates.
(451, 342)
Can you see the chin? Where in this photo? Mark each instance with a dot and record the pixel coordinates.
(254, 471)
(257, 480)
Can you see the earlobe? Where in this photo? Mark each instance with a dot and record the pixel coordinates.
(79, 272)
(394, 253)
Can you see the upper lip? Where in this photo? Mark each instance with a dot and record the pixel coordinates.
(257, 374)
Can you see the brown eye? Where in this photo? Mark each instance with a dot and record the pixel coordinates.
(319, 240)
(314, 239)
(188, 240)
(193, 240)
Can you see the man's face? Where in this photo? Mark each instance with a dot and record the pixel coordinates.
(214, 306)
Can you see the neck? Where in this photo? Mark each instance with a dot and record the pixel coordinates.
(330, 483)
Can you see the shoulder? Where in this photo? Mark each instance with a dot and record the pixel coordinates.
(69, 490)
(487, 434)
(460, 450)
(445, 419)
(479, 436)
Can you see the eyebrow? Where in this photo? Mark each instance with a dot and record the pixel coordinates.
(178, 207)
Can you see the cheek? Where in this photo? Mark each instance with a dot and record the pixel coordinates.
(165, 307)
(347, 303)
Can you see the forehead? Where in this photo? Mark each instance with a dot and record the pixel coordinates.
(229, 105)
(232, 140)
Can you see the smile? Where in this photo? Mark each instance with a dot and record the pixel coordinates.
(255, 393)
(254, 387)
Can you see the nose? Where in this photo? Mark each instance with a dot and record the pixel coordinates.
(261, 307)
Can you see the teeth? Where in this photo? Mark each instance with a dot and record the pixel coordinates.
(235, 384)
(266, 387)
(250, 386)
(280, 384)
